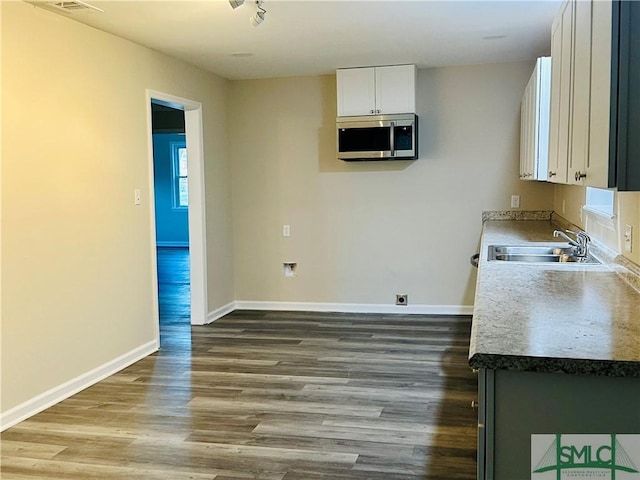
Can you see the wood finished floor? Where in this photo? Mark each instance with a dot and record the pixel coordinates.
(269, 395)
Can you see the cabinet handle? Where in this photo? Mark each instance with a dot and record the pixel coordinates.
(371, 111)
(474, 404)
(580, 176)
(552, 174)
(377, 111)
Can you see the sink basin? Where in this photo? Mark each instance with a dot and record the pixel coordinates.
(533, 250)
(537, 254)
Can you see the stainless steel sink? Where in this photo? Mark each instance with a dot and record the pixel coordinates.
(537, 254)
(533, 250)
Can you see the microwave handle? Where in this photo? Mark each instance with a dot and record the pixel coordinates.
(392, 139)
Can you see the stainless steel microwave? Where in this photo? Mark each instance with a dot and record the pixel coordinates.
(377, 137)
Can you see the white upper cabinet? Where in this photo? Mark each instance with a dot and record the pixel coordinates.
(586, 66)
(396, 89)
(534, 124)
(570, 93)
(356, 91)
(561, 87)
(554, 123)
(376, 90)
(580, 93)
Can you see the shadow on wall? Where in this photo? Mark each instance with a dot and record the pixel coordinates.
(328, 161)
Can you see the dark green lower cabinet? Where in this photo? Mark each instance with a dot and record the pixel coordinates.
(514, 405)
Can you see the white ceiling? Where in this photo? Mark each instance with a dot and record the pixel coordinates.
(307, 37)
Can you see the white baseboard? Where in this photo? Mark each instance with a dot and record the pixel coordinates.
(57, 394)
(172, 244)
(357, 308)
(221, 312)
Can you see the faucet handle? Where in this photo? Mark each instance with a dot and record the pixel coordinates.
(585, 235)
(580, 236)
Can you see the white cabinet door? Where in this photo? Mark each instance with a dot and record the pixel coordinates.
(356, 91)
(542, 116)
(527, 127)
(534, 133)
(564, 122)
(395, 89)
(581, 93)
(562, 44)
(598, 159)
(554, 126)
(524, 132)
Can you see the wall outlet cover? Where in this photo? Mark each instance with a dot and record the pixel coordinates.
(289, 269)
(402, 299)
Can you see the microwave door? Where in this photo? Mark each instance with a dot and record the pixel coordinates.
(358, 140)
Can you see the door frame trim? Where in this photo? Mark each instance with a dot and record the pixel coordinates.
(197, 219)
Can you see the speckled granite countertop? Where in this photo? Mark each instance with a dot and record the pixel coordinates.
(554, 318)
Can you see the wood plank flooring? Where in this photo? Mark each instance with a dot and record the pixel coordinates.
(174, 285)
(269, 395)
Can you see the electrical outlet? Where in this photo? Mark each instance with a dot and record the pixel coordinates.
(289, 269)
(628, 238)
(286, 230)
(137, 197)
(515, 201)
(402, 299)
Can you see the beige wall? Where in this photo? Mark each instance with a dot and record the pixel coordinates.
(76, 253)
(610, 232)
(363, 232)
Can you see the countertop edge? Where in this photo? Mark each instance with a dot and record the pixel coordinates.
(611, 368)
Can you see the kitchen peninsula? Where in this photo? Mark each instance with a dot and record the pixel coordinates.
(557, 348)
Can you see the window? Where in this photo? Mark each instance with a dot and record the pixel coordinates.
(600, 201)
(179, 172)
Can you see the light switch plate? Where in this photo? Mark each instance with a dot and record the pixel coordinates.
(628, 238)
(515, 201)
(137, 196)
(286, 230)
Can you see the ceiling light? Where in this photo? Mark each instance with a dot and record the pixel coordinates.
(494, 37)
(257, 19)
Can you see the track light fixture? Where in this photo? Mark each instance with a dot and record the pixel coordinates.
(257, 18)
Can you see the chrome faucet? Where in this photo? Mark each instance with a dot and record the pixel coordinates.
(581, 241)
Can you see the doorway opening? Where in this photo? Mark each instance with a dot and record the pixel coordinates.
(178, 244)
(171, 201)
